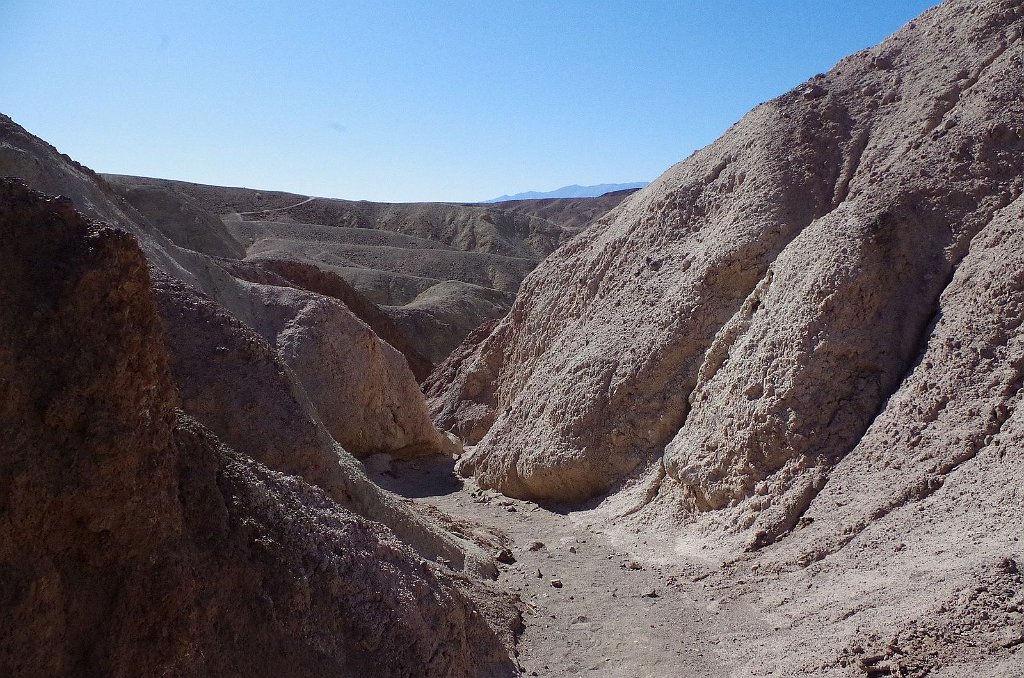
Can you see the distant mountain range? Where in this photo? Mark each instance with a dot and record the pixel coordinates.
(574, 191)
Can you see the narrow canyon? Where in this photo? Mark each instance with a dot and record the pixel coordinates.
(758, 418)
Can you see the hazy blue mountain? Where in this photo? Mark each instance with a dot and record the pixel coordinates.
(574, 191)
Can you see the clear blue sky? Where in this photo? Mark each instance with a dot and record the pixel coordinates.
(412, 100)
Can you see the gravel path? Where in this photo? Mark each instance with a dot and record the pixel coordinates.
(593, 603)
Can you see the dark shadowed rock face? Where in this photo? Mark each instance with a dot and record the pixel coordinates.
(132, 542)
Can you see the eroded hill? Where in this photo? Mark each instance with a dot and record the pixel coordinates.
(437, 270)
(135, 542)
(801, 347)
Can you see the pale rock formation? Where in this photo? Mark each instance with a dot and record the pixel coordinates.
(287, 273)
(748, 314)
(359, 384)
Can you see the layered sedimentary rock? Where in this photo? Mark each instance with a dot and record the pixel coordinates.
(132, 541)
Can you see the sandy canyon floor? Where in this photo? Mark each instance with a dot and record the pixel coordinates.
(598, 601)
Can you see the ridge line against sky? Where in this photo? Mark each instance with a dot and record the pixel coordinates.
(408, 101)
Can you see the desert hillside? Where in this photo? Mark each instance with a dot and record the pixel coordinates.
(436, 270)
(801, 349)
(137, 543)
(291, 378)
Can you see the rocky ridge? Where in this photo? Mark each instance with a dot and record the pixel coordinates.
(133, 541)
(437, 270)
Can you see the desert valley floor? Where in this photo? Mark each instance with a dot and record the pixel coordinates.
(596, 601)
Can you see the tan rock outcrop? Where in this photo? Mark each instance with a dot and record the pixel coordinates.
(360, 385)
(287, 273)
(748, 314)
(799, 353)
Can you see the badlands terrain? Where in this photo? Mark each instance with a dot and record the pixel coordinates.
(759, 418)
(436, 270)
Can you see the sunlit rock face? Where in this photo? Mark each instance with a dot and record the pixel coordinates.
(746, 318)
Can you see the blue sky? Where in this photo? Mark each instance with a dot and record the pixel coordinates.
(412, 100)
